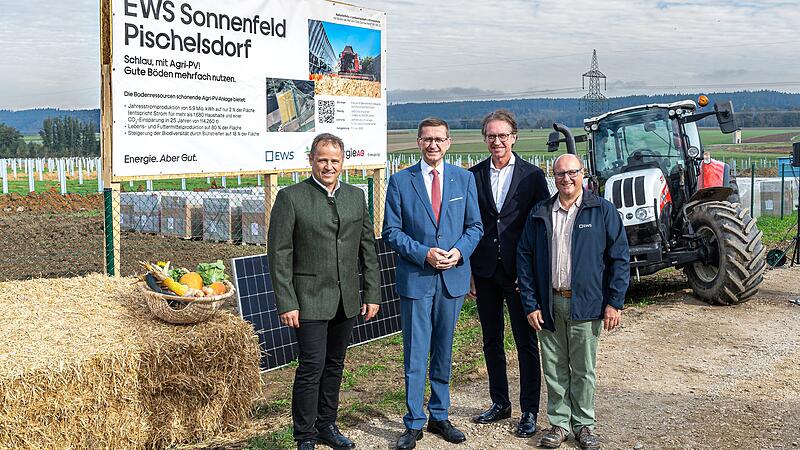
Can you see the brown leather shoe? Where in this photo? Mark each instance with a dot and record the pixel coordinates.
(587, 439)
(553, 437)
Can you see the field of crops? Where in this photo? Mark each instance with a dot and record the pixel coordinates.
(756, 142)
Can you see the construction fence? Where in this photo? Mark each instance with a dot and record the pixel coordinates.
(51, 235)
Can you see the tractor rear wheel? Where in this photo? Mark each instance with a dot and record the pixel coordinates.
(736, 262)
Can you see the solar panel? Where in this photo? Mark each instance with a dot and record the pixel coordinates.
(278, 343)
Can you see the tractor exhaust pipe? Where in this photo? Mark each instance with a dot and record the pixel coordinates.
(554, 139)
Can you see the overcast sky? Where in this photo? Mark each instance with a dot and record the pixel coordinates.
(455, 49)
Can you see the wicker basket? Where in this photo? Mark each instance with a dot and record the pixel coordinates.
(190, 310)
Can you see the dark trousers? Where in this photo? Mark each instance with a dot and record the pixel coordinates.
(492, 293)
(315, 395)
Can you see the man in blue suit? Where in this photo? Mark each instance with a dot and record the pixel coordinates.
(433, 222)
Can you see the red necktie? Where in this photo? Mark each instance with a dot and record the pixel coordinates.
(436, 195)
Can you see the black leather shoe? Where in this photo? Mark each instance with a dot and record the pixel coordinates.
(332, 437)
(527, 425)
(493, 414)
(408, 440)
(446, 430)
(305, 445)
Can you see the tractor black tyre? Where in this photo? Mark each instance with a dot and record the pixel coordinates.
(734, 238)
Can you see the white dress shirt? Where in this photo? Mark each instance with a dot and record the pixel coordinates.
(501, 181)
(330, 194)
(563, 224)
(428, 178)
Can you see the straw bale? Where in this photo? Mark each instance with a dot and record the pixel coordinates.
(83, 364)
(346, 87)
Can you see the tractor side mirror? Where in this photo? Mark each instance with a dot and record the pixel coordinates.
(552, 141)
(726, 117)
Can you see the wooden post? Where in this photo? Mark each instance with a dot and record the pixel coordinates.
(270, 191)
(106, 127)
(379, 200)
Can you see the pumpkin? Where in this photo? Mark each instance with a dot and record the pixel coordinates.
(193, 280)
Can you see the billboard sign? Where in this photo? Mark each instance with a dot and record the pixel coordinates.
(201, 86)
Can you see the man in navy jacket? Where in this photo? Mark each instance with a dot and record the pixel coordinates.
(573, 266)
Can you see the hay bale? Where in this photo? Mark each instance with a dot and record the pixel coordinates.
(83, 364)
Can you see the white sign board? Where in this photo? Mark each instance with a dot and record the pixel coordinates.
(202, 86)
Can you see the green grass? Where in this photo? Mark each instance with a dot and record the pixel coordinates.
(32, 138)
(393, 401)
(776, 230)
(281, 439)
(267, 409)
(20, 185)
(641, 302)
(351, 377)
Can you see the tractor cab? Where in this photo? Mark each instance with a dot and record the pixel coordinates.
(641, 138)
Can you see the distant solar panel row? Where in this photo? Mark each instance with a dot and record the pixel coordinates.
(278, 343)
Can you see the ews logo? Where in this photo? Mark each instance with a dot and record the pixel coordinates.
(278, 156)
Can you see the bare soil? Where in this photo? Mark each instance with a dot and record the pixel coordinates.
(42, 241)
(678, 374)
(780, 137)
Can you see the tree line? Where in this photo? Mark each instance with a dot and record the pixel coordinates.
(61, 137)
(753, 109)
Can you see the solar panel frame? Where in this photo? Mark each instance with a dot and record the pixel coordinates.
(278, 343)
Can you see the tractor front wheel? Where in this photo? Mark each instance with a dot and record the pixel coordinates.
(735, 264)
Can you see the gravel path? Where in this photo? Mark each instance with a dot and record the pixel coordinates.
(677, 375)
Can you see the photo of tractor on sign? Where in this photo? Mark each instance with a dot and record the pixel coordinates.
(344, 60)
(646, 160)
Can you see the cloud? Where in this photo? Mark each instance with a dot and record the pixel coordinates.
(438, 95)
(515, 47)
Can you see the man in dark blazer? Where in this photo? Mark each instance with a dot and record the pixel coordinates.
(432, 221)
(320, 236)
(508, 187)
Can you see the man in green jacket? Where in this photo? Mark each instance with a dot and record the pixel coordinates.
(320, 236)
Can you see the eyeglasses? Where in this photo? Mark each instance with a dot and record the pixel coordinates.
(430, 140)
(572, 173)
(503, 137)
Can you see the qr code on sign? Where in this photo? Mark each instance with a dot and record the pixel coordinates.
(327, 111)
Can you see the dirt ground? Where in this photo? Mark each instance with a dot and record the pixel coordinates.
(63, 244)
(678, 374)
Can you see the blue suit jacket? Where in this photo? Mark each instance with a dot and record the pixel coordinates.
(410, 229)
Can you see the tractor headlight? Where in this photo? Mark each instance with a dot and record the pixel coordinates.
(642, 213)
(594, 127)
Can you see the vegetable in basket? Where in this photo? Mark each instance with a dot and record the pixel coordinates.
(212, 272)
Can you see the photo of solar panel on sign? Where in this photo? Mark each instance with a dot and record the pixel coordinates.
(278, 343)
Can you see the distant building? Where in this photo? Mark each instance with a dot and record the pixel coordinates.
(321, 57)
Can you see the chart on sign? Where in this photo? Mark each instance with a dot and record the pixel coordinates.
(278, 343)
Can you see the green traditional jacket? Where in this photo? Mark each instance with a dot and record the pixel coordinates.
(316, 246)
